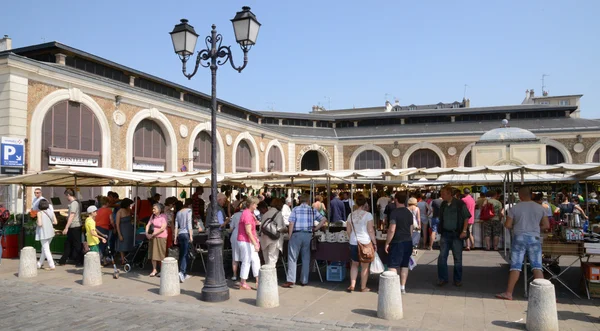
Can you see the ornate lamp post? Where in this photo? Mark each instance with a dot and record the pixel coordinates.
(184, 40)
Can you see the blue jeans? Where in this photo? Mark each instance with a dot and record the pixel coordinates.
(299, 244)
(450, 241)
(525, 243)
(183, 240)
(102, 246)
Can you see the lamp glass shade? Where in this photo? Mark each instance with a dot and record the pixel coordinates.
(184, 38)
(195, 152)
(245, 27)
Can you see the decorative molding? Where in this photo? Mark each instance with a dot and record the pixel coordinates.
(591, 151)
(463, 155)
(423, 145)
(562, 148)
(452, 151)
(183, 131)
(255, 154)
(314, 147)
(578, 147)
(75, 94)
(206, 126)
(395, 152)
(367, 147)
(228, 139)
(262, 146)
(119, 117)
(272, 143)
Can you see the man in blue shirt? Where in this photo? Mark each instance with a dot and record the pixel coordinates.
(338, 211)
(300, 233)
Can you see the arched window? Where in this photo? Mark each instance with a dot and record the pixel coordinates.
(468, 160)
(149, 147)
(369, 159)
(424, 158)
(70, 136)
(554, 156)
(203, 144)
(275, 156)
(596, 158)
(243, 157)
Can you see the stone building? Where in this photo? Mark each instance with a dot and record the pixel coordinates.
(75, 108)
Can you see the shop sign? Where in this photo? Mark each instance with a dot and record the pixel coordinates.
(12, 152)
(73, 161)
(148, 167)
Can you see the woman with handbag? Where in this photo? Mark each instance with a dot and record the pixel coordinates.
(44, 233)
(271, 236)
(156, 232)
(363, 244)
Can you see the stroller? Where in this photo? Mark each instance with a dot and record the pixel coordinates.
(138, 256)
(110, 255)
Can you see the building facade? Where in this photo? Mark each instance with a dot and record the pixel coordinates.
(75, 108)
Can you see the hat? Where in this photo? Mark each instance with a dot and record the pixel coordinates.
(91, 209)
(412, 201)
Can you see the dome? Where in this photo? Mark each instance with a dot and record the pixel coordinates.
(508, 134)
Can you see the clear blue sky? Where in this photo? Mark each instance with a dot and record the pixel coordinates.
(350, 52)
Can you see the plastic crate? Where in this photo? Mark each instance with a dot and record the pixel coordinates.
(591, 271)
(336, 272)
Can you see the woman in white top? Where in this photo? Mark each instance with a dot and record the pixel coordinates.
(235, 249)
(412, 206)
(360, 228)
(44, 233)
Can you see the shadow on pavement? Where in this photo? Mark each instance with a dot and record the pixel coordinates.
(579, 316)
(510, 325)
(365, 312)
(154, 290)
(250, 301)
(194, 294)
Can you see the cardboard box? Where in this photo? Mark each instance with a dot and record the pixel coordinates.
(591, 271)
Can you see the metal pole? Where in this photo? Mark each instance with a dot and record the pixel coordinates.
(329, 198)
(372, 208)
(215, 287)
(506, 233)
(135, 215)
(587, 204)
(292, 193)
(22, 218)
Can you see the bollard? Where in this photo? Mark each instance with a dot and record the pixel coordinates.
(169, 277)
(389, 303)
(92, 274)
(541, 306)
(28, 263)
(267, 295)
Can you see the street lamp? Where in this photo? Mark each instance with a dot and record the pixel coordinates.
(271, 165)
(184, 39)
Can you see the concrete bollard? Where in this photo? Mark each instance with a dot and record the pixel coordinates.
(541, 306)
(389, 303)
(92, 272)
(28, 263)
(267, 295)
(169, 277)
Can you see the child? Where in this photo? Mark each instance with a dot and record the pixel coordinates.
(92, 236)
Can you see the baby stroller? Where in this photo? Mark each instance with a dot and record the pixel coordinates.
(138, 256)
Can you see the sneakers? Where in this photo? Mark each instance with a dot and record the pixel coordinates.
(187, 277)
(234, 278)
(181, 277)
(403, 291)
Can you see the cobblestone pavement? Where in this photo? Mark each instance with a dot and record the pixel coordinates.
(31, 306)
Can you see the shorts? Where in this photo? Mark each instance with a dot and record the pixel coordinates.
(424, 221)
(399, 254)
(470, 229)
(525, 243)
(416, 238)
(354, 253)
(492, 228)
(434, 224)
(95, 248)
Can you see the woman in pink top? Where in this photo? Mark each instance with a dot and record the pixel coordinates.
(157, 236)
(248, 244)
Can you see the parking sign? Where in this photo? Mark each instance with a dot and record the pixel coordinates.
(12, 152)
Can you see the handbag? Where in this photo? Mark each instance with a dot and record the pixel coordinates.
(85, 247)
(366, 253)
(269, 227)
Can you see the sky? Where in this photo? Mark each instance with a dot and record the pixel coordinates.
(344, 54)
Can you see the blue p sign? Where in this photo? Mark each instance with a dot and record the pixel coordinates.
(11, 151)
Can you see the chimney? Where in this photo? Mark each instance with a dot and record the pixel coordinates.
(61, 59)
(388, 106)
(5, 43)
(396, 102)
(526, 95)
(531, 93)
(468, 103)
(545, 93)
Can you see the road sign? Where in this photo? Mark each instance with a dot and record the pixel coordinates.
(11, 171)
(12, 152)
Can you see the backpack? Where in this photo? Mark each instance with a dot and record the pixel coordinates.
(269, 227)
(487, 211)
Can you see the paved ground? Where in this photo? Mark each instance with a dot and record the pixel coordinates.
(131, 302)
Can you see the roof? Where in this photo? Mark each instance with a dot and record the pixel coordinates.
(508, 134)
(558, 96)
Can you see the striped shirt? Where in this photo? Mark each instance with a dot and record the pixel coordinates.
(303, 217)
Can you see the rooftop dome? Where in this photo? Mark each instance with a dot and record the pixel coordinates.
(506, 133)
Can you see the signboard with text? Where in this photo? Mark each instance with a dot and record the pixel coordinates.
(73, 161)
(148, 167)
(12, 152)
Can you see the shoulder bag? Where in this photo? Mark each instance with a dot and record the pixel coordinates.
(269, 227)
(366, 253)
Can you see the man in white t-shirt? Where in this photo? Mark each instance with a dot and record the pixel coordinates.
(526, 219)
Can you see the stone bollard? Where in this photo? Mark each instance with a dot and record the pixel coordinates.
(28, 263)
(169, 277)
(267, 295)
(389, 303)
(541, 306)
(92, 272)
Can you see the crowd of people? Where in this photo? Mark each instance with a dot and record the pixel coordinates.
(411, 221)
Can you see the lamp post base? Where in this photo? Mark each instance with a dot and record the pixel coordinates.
(215, 285)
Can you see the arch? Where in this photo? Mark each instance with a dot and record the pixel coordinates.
(423, 145)
(553, 155)
(276, 143)
(42, 108)
(164, 124)
(367, 147)
(252, 143)
(220, 154)
(463, 155)
(560, 147)
(592, 151)
(319, 149)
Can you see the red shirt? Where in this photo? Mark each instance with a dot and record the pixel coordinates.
(103, 218)
(143, 209)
